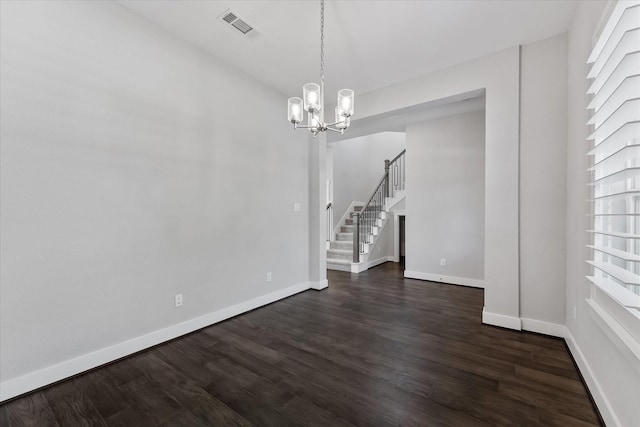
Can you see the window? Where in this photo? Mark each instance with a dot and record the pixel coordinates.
(615, 171)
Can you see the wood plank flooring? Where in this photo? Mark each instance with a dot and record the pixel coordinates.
(374, 349)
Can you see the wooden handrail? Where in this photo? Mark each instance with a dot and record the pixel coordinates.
(375, 190)
(398, 156)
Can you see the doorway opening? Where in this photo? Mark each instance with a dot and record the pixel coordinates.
(401, 238)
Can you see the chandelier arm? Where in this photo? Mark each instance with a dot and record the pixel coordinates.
(340, 131)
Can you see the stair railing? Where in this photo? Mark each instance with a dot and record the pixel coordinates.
(363, 222)
(394, 171)
(367, 218)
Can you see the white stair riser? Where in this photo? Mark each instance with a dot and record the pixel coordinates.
(336, 254)
(339, 267)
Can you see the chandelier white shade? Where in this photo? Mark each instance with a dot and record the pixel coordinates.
(313, 100)
(345, 102)
(295, 110)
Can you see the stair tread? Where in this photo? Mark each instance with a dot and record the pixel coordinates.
(341, 251)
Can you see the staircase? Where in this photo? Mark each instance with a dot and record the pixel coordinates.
(340, 251)
(349, 246)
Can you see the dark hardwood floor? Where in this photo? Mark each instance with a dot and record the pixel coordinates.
(374, 349)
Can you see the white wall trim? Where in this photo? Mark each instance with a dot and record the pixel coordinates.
(626, 344)
(318, 286)
(396, 233)
(378, 235)
(542, 327)
(390, 202)
(475, 283)
(42, 377)
(357, 267)
(501, 320)
(606, 411)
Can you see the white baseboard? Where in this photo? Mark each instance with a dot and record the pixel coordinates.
(373, 263)
(475, 283)
(541, 327)
(357, 267)
(318, 286)
(40, 378)
(597, 393)
(501, 320)
(363, 266)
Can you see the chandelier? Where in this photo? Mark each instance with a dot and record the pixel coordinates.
(313, 100)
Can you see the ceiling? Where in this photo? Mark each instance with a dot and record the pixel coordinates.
(368, 44)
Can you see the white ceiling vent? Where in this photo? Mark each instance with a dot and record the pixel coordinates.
(239, 24)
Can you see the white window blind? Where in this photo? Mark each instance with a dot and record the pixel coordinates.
(615, 167)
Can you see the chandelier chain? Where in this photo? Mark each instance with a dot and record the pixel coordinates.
(313, 102)
(322, 44)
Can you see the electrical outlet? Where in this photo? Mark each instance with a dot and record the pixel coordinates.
(296, 207)
(575, 314)
(178, 300)
(443, 262)
(269, 276)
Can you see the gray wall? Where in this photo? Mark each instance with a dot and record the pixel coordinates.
(131, 171)
(445, 202)
(543, 133)
(317, 165)
(358, 165)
